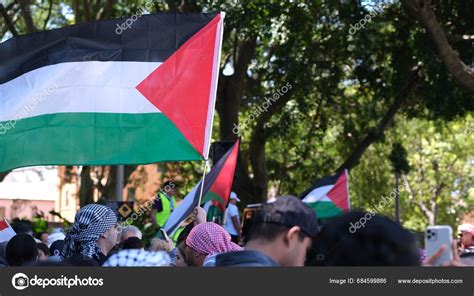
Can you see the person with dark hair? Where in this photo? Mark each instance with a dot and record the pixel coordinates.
(43, 237)
(43, 251)
(164, 204)
(81, 260)
(21, 250)
(55, 250)
(180, 260)
(364, 239)
(22, 227)
(133, 243)
(281, 235)
(93, 234)
(184, 234)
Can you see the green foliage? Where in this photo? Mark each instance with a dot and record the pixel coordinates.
(440, 181)
(343, 85)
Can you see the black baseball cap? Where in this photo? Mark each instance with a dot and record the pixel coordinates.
(288, 211)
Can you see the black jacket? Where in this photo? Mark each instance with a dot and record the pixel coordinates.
(244, 258)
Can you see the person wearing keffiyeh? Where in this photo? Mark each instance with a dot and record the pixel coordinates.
(207, 240)
(92, 235)
(135, 257)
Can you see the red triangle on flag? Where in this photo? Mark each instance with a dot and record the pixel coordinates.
(339, 194)
(3, 225)
(223, 183)
(181, 86)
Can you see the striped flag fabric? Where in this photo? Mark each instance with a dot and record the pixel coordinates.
(217, 187)
(6, 231)
(329, 196)
(89, 95)
(220, 190)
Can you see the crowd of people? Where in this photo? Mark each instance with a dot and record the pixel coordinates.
(284, 232)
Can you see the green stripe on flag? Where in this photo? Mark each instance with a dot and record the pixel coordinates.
(93, 139)
(212, 196)
(325, 209)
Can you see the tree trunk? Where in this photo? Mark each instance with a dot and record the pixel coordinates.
(257, 146)
(86, 191)
(8, 20)
(26, 14)
(230, 91)
(109, 190)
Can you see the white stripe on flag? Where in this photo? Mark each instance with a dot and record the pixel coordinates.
(178, 216)
(96, 87)
(7, 233)
(318, 194)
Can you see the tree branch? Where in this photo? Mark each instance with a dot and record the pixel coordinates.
(311, 132)
(378, 132)
(87, 11)
(50, 10)
(422, 11)
(105, 12)
(77, 11)
(26, 14)
(8, 20)
(258, 141)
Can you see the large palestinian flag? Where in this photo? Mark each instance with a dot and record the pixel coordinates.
(217, 186)
(329, 196)
(91, 94)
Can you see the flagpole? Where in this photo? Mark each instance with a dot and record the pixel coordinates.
(212, 108)
(204, 169)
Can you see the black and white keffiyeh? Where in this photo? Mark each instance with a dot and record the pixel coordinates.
(135, 257)
(91, 222)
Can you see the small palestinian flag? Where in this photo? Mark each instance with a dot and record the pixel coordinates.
(91, 94)
(217, 186)
(329, 196)
(219, 192)
(6, 231)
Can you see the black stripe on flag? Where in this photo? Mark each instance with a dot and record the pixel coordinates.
(331, 180)
(151, 38)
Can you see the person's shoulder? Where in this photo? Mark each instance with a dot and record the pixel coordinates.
(233, 208)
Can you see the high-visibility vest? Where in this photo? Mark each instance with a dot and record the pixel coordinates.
(168, 207)
(177, 233)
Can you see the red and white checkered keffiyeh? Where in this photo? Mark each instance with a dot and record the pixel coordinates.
(210, 238)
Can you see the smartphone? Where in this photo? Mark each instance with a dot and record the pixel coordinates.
(435, 237)
(162, 234)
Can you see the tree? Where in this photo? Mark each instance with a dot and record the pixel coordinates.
(350, 91)
(422, 11)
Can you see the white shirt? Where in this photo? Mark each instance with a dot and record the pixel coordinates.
(232, 211)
